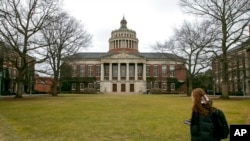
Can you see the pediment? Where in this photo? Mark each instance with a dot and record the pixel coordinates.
(123, 55)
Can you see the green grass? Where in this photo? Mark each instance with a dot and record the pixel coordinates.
(105, 117)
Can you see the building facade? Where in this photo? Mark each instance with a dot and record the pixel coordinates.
(123, 69)
(9, 59)
(238, 70)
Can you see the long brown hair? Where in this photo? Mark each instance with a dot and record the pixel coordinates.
(198, 94)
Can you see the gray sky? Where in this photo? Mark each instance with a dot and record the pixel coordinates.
(153, 20)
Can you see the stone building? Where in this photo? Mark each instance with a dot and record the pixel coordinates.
(123, 69)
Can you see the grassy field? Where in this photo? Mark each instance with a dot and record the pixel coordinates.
(105, 117)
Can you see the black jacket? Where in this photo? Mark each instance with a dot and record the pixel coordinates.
(202, 128)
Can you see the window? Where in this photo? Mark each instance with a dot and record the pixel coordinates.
(156, 85)
(82, 71)
(14, 72)
(98, 70)
(148, 70)
(140, 70)
(90, 85)
(156, 70)
(123, 71)
(164, 70)
(131, 70)
(172, 71)
(106, 70)
(172, 86)
(114, 70)
(90, 70)
(164, 86)
(73, 86)
(81, 86)
(74, 67)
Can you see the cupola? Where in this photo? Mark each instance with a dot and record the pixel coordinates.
(123, 39)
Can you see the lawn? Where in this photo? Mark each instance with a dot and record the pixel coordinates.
(105, 117)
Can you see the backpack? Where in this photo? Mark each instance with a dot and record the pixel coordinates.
(220, 124)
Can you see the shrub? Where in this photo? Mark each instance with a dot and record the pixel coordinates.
(89, 91)
(156, 91)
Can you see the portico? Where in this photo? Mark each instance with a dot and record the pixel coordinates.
(123, 72)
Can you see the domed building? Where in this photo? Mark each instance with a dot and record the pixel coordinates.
(124, 69)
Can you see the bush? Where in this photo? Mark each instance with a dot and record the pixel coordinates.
(236, 93)
(156, 91)
(89, 91)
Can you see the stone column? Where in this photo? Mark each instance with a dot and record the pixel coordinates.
(127, 71)
(119, 71)
(102, 72)
(144, 71)
(110, 71)
(136, 72)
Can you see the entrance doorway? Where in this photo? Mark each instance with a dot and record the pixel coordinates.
(114, 87)
(132, 87)
(123, 88)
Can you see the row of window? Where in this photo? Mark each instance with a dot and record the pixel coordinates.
(11, 72)
(123, 86)
(123, 35)
(84, 85)
(124, 44)
(90, 70)
(163, 86)
(123, 70)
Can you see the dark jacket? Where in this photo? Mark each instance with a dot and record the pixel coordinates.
(202, 128)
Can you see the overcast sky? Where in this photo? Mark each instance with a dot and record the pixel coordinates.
(153, 20)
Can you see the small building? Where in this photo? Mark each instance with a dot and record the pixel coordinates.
(123, 69)
(42, 85)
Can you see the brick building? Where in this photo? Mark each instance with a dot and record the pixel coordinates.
(42, 84)
(238, 70)
(9, 59)
(123, 69)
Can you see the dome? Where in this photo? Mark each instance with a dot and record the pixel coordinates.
(123, 39)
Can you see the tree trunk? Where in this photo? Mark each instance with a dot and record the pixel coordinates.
(190, 86)
(224, 94)
(19, 93)
(54, 87)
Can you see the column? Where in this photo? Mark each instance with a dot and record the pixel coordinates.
(110, 71)
(136, 72)
(102, 72)
(144, 71)
(119, 71)
(127, 71)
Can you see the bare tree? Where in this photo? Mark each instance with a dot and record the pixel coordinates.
(232, 16)
(64, 37)
(193, 41)
(19, 24)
